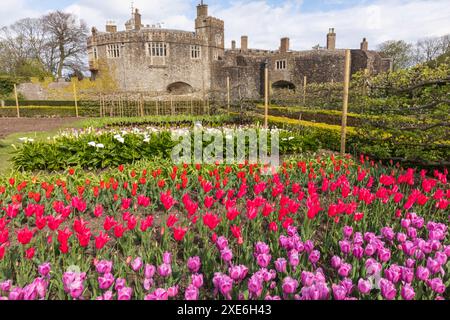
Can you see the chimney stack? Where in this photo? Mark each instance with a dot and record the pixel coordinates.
(137, 20)
(233, 45)
(284, 46)
(244, 43)
(202, 10)
(111, 27)
(331, 39)
(364, 45)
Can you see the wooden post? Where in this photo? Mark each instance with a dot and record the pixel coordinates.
(305, 79)
(228, 95)
(157, 108)
(142, 105)
(172, 109)
(17, 101)
(345, 100)
(266, 96)
(192, 106)
(75, 99)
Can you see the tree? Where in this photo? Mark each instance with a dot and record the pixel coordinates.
(429, 49)
(68, 39)
(400, 52)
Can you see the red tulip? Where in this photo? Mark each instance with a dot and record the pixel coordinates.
(211, 220)
(179, 233)
(24, 236)
(30, 253)
(101, 240)
(171, 221)
(119, 230)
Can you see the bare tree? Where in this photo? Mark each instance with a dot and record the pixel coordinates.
(67, 39)
(428, 49)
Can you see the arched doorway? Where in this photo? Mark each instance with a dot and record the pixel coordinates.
(283, 85)
(179, 88)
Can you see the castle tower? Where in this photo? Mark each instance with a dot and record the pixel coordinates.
(331, 39)
(212, 29)
(365, 45)
(135, 23)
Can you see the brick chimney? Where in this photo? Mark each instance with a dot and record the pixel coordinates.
(111, 27)
(331, 39)
(364, 45)
(244, 43)
(284, 45)
(233, 45)
(137, 20)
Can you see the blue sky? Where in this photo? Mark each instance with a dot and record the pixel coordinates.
(306, 22)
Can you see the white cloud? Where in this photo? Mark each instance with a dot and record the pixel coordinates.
(266, 23)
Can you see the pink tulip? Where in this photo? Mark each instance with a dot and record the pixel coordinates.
(194, 264)
(407, 292)
(172, 292)
(149, 271)
(281, 265)
(364, 286)
(437, 285)
(167, 258)
(165, 270)
(388, 289)
(191, 293)
(104, 266)
(124, 294)
(339, 292)
(197, 280)
(44, 269)
(314, 256)
(136, 264)
(106, 281)
(289, 286)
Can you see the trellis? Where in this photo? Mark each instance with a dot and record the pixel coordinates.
(141, 105)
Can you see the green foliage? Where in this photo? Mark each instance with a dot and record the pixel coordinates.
(6, 86)
(99, 150)
(422, 96)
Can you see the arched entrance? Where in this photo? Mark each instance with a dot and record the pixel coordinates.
(179, 88)
(283, 85)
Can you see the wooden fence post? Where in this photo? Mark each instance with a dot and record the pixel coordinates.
(75, 98)
(228, 95)
(172, 108)
(345, 101)
(305, 79)
(266, 95)
(17, 100)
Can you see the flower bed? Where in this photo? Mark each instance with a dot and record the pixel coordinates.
(322, 228)
(101, 148)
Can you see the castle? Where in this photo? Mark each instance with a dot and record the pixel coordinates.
(174, 62)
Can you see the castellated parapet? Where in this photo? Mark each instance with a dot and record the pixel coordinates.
(164, 61)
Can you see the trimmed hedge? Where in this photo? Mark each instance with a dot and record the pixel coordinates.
(48, 112)
(51, 103)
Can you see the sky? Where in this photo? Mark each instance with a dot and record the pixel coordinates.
(306, 22)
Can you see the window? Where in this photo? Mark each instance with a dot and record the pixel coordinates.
(195, 52)
(157, 49)
(113, 51)
(95, 53)
(280, 65)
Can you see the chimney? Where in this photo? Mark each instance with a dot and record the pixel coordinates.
(111, 27)
(137, 20)
(364, 45)
(284, 46)
(244, 43)
(233, 45)
(202, 10)
(331, 39)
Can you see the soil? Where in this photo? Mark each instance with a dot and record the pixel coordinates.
(13, 125)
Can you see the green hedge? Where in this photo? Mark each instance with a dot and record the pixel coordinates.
(51, 103)
(48, 112)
